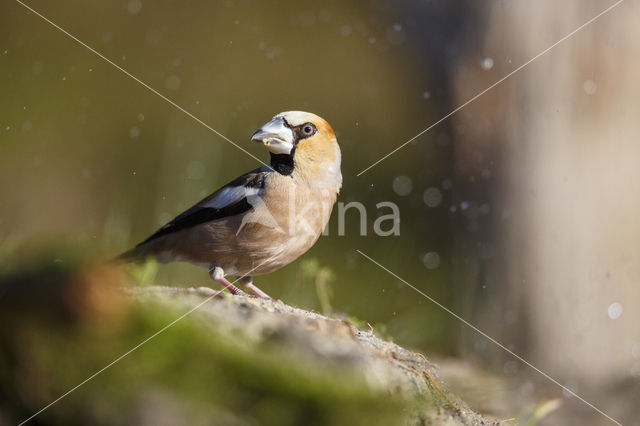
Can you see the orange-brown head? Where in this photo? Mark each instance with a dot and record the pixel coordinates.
(303, 145)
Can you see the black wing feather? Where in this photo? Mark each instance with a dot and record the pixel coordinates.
(198, 214)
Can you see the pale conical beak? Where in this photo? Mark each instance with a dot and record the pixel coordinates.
(275, 136)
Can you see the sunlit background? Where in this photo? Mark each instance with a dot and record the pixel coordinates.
(519, 212)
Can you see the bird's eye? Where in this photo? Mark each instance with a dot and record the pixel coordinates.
(307, 129)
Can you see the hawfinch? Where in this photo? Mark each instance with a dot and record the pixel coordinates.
(264, 219)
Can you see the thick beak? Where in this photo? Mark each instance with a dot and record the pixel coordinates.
(275, 136)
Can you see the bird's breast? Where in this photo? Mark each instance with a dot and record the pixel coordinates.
(283, 226)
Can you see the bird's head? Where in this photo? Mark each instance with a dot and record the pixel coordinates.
(303, 144)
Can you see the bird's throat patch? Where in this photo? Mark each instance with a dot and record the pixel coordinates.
(282, 163)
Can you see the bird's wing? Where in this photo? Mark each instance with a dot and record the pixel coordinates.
(230, 200)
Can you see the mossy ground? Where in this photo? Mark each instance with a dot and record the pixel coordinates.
(233, 360)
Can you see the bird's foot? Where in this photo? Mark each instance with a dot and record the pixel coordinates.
(232, 288)
(257, 292)
(217, 274)
(247, 282)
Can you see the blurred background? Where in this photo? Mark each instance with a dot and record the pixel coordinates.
(519, 213)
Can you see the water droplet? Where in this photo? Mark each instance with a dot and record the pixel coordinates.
(426, 95)
(134, 132)
(527, 388)
(163, 218)
(431, 260)
(432, 197)
(402, 185)
(447, 184)
(173, 82)
(372, 40)
(273, 52)
(464, 205)
(345, 30)
(37, 67)
(134, 7)
(486, 63)
(325, 15)
(615, 310)
(306, 19)
(590, 87)
(195, 170)
(510, 367)
(396, 35)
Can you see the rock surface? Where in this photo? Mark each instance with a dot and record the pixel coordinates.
(385, 366)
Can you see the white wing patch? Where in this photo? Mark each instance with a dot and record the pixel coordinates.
(231, 195)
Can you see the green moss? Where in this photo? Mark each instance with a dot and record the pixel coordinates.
(63, 319)
(201, 371)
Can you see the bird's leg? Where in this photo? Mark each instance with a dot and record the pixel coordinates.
(247, 282)
(217, 274)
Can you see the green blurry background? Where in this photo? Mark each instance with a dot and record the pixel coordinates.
(88, 152)
(519, 212)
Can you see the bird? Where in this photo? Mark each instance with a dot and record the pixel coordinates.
(264, 219)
